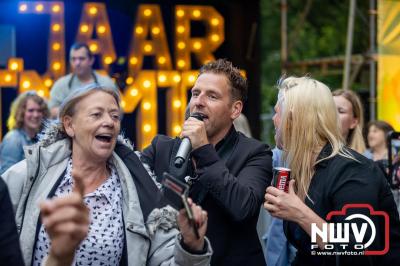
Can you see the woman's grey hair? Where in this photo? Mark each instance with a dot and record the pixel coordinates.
(67, 107)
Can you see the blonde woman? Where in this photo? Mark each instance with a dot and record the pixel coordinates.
(351, 118)
(325, 176)
(27, 113)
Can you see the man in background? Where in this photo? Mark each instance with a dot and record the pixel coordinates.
(81, 60)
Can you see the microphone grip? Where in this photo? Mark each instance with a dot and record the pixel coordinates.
(183, 152)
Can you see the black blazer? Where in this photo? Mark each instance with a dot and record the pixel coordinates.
(231, 190)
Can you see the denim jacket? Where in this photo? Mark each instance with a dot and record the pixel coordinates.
(11, 149)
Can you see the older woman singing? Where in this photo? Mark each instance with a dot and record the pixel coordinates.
(119, 233)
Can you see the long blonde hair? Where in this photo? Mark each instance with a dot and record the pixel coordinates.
(309, 120)
(355, 139)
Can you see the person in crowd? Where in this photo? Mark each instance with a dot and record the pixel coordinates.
(120, 233)
(81, 60)
(226, 171)
(378, 131)
(351, 115)
(325, 174)
(278, 251)
(242, 125)
(27, 114)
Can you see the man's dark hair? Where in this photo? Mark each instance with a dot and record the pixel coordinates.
(79, 45)
(236, 80)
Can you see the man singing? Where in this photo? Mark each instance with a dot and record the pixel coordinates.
(226, 171)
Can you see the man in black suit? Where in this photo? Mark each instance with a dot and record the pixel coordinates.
(227, 172)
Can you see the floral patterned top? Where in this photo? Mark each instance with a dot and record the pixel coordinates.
(105, 240)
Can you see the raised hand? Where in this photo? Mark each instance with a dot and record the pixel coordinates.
(195, 130)
(66, 220)
(186, 227)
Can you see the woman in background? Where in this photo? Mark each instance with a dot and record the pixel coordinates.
(377, 141)
(351, 118)
(27, 113)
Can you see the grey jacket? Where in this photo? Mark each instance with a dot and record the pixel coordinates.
(155, 242)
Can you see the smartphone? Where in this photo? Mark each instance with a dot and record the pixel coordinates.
(176, 192)
(394, 159)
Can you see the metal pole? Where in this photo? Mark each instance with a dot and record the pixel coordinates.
(349, 45)
(372, 63)
(284, 52)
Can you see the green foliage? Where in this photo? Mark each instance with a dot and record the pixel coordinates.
(321, 33)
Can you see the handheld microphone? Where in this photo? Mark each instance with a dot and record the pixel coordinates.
(185, 147)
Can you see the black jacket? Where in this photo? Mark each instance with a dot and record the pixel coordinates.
(231, 189)
(338, 181)
(10, 252)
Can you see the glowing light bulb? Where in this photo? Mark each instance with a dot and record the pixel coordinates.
(162, 78)
(139, 30)
(101, 29)
(26, 84)
(7, 78)
(39, 8)
(180, 13)
(215, 37)
(214, 22)
(147, 12)
(155, 30)
(56, 27)
(148, 48)
(56, 66)
(108, 60)
(93, 10)
(181, 63)
(146, 106)
(134, 92)
(56, 8)
(147, 128)
(177, 129)
(40, 93)
(177, 78)
(23, 7)
(84, 28)
(133, 60)
(180, 29)
(197, 45)
(14, 66)
(196, 13)
(146, 84)
(162, 60)
(56, 46)
(93, 47)
(129, 80)
(177, 103)
(181, 45)
(191, 78)
(48, 82)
